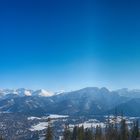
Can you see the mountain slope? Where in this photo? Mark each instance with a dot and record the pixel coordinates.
(129, 108)
(87, 101)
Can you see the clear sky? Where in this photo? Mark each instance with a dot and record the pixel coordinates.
(69, 44)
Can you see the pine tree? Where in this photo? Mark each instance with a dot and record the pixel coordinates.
(124, 130)
(67, 133)
(75, 132)
(116, 133)
(88, 135)
(80, 133)
(98, 133)
(135, 130)
(49, 135)
(107, 129)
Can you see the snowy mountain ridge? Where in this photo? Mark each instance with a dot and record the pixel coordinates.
(25, 92)
(86, 101)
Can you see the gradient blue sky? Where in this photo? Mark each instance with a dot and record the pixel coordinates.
(69, 44)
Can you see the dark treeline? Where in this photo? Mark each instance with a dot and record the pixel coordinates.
(112, 131)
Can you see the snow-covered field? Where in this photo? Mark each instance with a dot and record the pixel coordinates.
(33, 118)
(90, 123)
(43, 125)
(39, 126)
(55, 116)
(51, 116)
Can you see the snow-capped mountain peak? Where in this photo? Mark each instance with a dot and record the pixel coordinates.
(25, 92)
(43, 92)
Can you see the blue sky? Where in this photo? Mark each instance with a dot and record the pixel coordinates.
(69, 44)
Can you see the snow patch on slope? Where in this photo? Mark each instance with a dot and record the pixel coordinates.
(39, 126)
(43, 92)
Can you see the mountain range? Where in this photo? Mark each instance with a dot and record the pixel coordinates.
(86, 101)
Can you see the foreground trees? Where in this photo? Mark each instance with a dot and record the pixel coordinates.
(112, 131)
(49, 134)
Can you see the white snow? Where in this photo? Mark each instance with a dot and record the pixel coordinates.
(33, 118)
(27, 93)
(39, 126)
(43, 92)
(89, 125)
(55, 116)
(43, 125)
(118, 119)
(60, 92)
(51, 116)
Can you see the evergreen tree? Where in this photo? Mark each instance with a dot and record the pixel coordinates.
(74, 134)
(80, 133)
(135, 130)
(49, 135)
(113, 131)
(107, 129)
(67, 133)
(88, 135)
(98, 133)
(123, 130)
